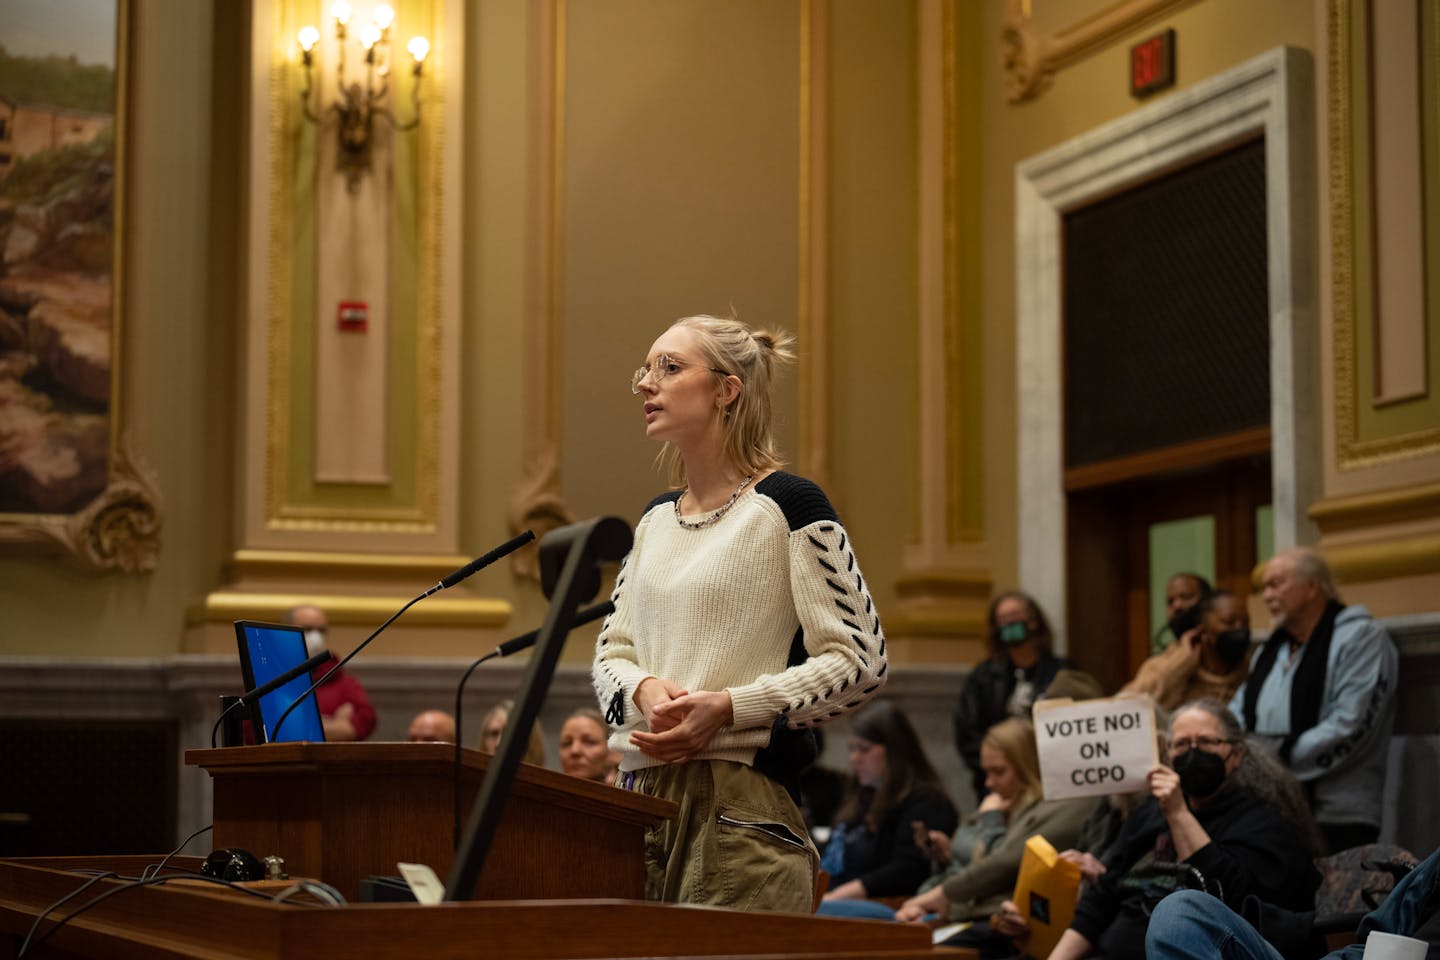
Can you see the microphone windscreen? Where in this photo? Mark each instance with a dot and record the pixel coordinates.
(479, 563)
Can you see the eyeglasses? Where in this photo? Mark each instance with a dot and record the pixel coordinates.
(1208, 744)
(664, 366)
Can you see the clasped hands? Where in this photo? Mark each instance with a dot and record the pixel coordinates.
(681, 723)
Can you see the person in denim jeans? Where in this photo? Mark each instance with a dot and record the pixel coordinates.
(1189, 925)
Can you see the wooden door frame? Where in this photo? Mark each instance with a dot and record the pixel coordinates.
(1270, 96)
(1108, 549)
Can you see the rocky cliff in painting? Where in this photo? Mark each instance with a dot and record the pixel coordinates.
(56, 251)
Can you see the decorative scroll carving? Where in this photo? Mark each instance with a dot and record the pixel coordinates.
(1027, 74)
(117, 531)
(538, 505)
(1030, 59)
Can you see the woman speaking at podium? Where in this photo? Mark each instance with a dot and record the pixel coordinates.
(741, 620)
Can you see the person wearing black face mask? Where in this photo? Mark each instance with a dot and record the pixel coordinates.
(1184, 593)
(1211, 660)
(1221, 818)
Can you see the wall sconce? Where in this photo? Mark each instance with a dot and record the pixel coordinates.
(357, 106)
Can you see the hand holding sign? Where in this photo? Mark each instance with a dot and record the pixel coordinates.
(1094, 748)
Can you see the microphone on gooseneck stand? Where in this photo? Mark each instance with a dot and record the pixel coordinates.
(523, 642)
(479, 563)
(267, 686)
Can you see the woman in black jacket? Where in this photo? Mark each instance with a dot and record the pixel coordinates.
(1019, 670)
(872, 851)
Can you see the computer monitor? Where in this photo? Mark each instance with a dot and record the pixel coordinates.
(266, 651)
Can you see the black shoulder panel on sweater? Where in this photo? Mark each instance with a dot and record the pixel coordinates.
(802, 502)
(669, 497)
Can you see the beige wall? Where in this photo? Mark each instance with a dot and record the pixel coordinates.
(1211, 37)
(679, 192)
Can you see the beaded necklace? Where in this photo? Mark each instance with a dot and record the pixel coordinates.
(714, 517)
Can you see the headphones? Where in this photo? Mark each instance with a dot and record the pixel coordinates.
(233, 864)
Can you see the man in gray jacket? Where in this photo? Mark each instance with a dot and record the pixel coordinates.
(1322, 693)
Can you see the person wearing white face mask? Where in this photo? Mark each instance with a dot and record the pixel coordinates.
(345, 708)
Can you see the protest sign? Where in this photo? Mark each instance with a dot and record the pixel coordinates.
(1094, 747)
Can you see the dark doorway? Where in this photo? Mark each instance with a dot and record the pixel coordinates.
(1167, 397)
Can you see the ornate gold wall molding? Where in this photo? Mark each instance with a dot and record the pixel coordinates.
(224, 606)
(1384, 560)
(538, 502)
(1374, 509)
(420, 505)
(1030, 59)
(1346, 85)
(300, 564)
(813, 299)
(945, 583)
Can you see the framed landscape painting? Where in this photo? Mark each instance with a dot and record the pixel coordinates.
(65, 479)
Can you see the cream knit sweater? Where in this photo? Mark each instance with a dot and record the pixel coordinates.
(717, 608)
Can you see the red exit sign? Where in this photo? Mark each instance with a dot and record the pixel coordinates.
(1152, 64)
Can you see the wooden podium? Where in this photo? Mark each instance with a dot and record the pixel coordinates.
(563, 880)
(343, 811)
(187, 919)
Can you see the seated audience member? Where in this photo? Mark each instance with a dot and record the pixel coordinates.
(1102, 827)
(345, 709)
(1019, 670)
(1209, 661)
(432, 726)
(872, 851)
(1098, 835)
(978, 879)
(1221, 816)
(1189, 925)
(1322, 693)
(584, 750)
(1183, 593)
(493, 727)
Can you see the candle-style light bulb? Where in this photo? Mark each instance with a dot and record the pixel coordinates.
(341, 11)
(369, 35)
(419, 49)
(384, 16)
(308, 37)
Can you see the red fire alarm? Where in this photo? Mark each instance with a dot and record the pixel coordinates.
(1152, 64)
(353, 316)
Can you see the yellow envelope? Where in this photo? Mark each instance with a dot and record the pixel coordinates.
(1046, 893)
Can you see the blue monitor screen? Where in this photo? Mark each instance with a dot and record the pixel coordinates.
(268, 650)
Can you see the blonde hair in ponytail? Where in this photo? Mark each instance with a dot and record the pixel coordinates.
(751, 356)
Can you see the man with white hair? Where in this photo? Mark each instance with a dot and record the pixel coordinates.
(1322, 692)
